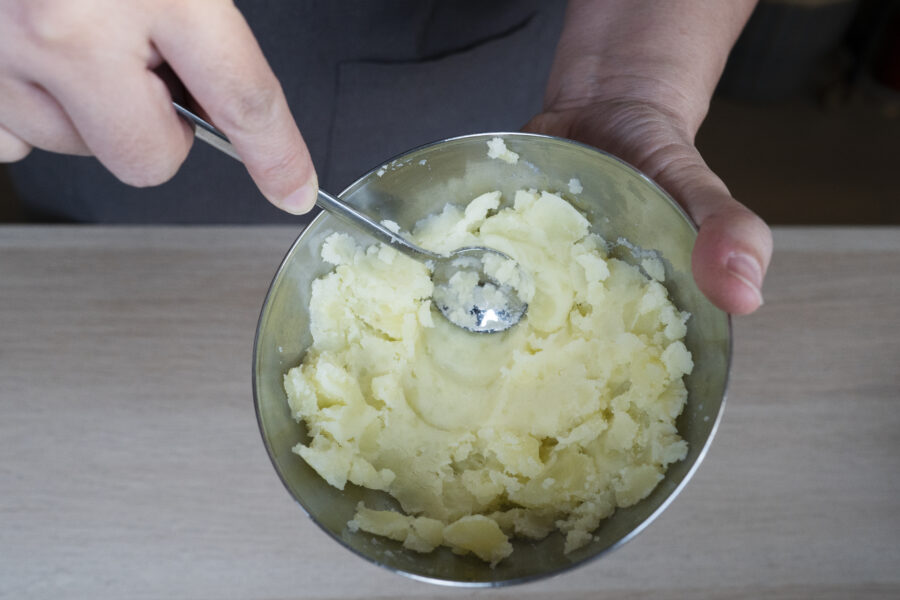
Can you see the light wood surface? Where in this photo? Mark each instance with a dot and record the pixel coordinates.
(131, 465)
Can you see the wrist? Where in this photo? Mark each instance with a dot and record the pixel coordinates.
(665, 54)
(587, 85)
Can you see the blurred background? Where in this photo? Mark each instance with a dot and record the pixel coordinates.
(805, 125)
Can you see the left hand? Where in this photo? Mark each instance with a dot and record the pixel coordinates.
(734, 246)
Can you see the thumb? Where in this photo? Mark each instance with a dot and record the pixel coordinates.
(733, 246)
(212, 50)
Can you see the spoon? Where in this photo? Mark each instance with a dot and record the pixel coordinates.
(466, 291)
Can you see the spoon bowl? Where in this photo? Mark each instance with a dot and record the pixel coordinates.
(469, 292)
(476, 288)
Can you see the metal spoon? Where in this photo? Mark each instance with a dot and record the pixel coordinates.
(464, 293)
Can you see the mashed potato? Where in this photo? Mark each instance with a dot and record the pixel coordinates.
(485, 437)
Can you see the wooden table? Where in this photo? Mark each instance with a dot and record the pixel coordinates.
(131, 465)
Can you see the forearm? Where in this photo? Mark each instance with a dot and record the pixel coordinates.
(670, 53)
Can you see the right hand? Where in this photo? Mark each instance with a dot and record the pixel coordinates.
(78, 78)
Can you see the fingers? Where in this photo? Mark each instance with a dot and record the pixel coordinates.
(552, 123)
(733, 246)
(30, 113)
(730, 258)
(77, 81)
(213, 51)
(12, 148)
(101, 96)
(123, 112)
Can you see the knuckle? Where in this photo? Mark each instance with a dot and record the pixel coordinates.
(288, 163)
(13, 151)
(144, 177)
(541, 123)
(54, 24)
(250, 108)
(148, 172)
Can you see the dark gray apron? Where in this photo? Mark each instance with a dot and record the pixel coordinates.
(366, 80)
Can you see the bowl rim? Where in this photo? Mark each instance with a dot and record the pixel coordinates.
(528, 578)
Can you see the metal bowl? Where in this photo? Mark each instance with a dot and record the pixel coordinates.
(620, 202)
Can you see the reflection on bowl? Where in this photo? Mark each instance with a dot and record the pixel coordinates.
(619, 202)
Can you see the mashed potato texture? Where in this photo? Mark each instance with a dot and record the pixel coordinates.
(486, 437)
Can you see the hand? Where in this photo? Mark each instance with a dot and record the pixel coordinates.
(734, 246)
(78, 78)
(634, 78)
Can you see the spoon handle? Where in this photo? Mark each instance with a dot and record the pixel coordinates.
(208, 133)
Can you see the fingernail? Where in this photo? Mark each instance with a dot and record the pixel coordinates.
(748, 270)
(302, 199)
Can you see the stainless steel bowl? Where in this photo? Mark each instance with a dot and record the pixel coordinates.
(619, 202)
